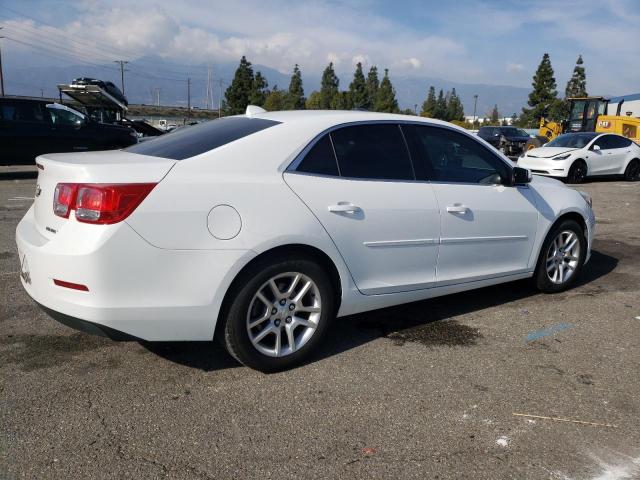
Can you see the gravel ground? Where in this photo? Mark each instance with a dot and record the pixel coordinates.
(427, 390)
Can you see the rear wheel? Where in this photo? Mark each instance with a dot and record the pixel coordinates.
(632, 172)
(561, 257)
(278, 313)
(577, 172)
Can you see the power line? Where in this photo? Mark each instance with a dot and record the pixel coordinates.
(122, 70)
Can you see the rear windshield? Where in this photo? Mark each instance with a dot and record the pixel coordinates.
(191, 141)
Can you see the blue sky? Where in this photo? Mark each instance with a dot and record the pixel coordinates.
(493, 42)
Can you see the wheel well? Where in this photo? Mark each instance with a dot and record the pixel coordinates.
(575, 216)
(286, 251)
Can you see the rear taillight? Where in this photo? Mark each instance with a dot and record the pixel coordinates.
(99, 203)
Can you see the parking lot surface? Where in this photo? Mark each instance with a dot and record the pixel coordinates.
(426, 390)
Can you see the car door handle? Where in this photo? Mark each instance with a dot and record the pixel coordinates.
(457, 209)
(344, 207)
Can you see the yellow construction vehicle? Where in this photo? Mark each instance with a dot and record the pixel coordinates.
(619, 115)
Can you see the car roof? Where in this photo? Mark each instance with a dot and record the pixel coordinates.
(323, 119)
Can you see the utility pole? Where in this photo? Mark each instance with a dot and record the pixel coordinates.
(220, 101)
(475, 104)
(188, 97)
(1, 75)
(122, 63)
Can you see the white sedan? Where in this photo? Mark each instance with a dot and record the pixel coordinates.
(575, 156)
(260, 229)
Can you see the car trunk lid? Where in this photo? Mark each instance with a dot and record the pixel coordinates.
(89, 167)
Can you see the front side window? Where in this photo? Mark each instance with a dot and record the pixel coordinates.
(191, 141)
(375, 151)
(604, 142)
(450, 156)
(61, 116)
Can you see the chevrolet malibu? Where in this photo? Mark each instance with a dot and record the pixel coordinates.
(260, 229)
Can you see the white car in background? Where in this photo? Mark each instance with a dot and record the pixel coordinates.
(575, 156)
(261, 228)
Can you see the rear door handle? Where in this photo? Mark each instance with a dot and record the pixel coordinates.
(457, 209)
(344, 207)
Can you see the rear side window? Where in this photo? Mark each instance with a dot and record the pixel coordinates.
(320, 159)
(619, 142)
(22, 111)
(375, 151)
(191, 141)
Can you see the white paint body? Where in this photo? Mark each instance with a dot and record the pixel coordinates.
(162, 273)
(613, 161)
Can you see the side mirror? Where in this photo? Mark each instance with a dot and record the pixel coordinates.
(596, 148)
(520, 176)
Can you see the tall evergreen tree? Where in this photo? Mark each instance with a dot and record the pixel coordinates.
(577, 84)
(358, 89)
(342, 101)
(373, 84)
(455, 110)
(495, 116)
(295, 96)
(544, 94)
(259, 90)
(237, 95)
(328, 87)
(386, 98)
(441, 106)
(429, 105)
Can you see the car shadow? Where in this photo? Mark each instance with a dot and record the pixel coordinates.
(429, 322)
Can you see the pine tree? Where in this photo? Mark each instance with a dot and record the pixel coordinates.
(275, 100)
(358, 89)
(328, 87)
(295, 96)
(373, 84)
(577, 85)
(440, 110)
(495, 116)
(386, 98)
(237, 95)
(341, 101)
(544, 93)
(455, 110)
(429, 105)
(258, 90)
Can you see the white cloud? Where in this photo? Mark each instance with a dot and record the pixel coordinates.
(515, 67)
(412, 62)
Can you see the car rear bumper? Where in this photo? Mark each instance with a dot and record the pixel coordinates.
(134, 288)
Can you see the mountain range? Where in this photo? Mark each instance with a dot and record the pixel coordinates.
(143, 76)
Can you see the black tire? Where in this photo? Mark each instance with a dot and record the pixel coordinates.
(233, 329)
(577, 172)
(632, 172)
(541, 277)
(535, 142)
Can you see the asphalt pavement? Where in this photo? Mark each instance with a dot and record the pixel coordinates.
(428, 390)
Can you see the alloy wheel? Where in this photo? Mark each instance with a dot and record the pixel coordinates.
(284, 314)
(577, 173)
(563, 257)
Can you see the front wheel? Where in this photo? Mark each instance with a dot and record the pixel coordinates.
(577, 172)
(561, 258)
(278, 313)
(632, 172)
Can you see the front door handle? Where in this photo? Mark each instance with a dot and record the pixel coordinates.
(457, 209)
(344, 207)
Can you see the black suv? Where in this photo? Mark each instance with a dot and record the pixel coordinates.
(32, 126)
(509, 140)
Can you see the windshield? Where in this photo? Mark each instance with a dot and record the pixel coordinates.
(572, 140)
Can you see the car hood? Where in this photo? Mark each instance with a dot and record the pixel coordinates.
(548, 152)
